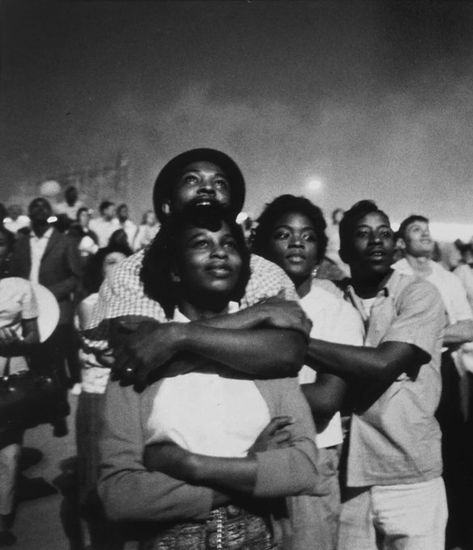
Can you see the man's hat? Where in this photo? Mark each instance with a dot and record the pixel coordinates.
(173, 169)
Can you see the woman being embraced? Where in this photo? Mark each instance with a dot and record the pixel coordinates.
(205, 457)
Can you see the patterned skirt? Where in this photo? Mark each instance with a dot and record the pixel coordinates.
(228, 528)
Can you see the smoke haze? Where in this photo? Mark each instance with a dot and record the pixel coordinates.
(374, 100)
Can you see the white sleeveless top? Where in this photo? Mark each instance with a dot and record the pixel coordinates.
(206, 413)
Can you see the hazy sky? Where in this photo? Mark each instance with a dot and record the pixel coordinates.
(374, 99)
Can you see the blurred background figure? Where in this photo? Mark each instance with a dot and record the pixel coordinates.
(415, 239)
(464, 271)
(450, 256)
(6, 245)
(3, 213)
(18, 333)
(70, 205)
(51, 258)
(120, 238)
(94, 378)
(16, 220)
(50, 190)
(106, 224)
(146, 231)
(247, 226)
(126, 224)
(87, 240)
(333, 245)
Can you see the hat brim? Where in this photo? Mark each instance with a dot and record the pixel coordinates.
(167, 177)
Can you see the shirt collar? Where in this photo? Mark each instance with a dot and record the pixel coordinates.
(403, 266)
(46, 235)
(179, 317)
(384, 292)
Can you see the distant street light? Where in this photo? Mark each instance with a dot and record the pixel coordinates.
(314, 185)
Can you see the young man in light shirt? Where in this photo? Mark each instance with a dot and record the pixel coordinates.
(394, 495)
(415, 240)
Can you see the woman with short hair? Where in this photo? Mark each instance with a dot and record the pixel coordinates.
(204, 457)
(291, 233)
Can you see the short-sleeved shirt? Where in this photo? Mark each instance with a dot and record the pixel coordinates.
(451, 289)
(397, 439)
(124, 294)
(104, 229)
(206, 412)
(17, 303)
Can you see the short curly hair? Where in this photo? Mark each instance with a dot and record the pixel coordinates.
(159, 258)
(282, 205)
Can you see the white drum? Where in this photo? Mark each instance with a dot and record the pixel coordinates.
(48, 309)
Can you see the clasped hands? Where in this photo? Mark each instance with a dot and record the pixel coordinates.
(142, 346)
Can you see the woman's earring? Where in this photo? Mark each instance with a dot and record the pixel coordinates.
(314, 272)
(165, 208)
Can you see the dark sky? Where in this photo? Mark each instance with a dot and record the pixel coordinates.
(374, 99)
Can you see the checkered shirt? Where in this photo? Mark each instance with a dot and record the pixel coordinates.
(124, 295)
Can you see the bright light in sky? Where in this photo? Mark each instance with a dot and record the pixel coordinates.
(314, 185)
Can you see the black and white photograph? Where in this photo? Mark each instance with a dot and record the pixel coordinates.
(236, 274)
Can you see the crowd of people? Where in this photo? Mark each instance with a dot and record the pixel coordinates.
(282, 385)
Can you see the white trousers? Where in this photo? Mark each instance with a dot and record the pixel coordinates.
(394, 517)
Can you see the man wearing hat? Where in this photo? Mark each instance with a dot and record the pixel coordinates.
(196, 179)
